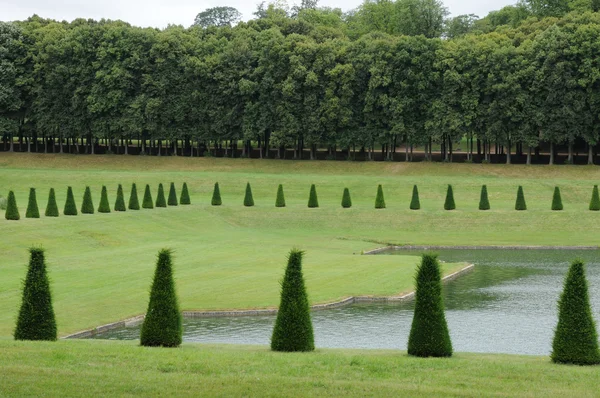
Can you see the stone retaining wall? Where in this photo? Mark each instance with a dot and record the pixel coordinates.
(425, 247)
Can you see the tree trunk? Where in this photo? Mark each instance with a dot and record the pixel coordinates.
(528, 154)
(570, 158)
(508, 150)
(449, 149)
(406, 152)
(551, 153)
(590, 154)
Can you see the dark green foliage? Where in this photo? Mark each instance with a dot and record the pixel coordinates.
(87, 207)
(120, 202)
(216, 198)
(172, 201)
(313, 201)
(415, 204)
(379, 200)
(134, 203)
(484, 203)
(160, 197)
(104, 206)
(248, 199)
(293, 327)
(280, 201)
(575, 337)
(162, 325)
(520, 203)
(556, 200)
(449, 203)
(32, 206)
(70, 207)
(346, 199)
(12, 211)
(185, 196)
(429, 335)
(51, 207)
(595, 201)
(36, 317)
(147, 203)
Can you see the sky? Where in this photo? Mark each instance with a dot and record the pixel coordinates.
(160, 13)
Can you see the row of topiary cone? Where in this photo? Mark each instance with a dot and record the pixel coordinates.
(87, 207)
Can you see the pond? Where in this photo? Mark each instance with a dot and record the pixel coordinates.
(507, 304)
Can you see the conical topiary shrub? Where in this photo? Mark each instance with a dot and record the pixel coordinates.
(147, 202)
(12, 211)
(449, 203)
(415, 204)
(484, 203)
(379, 200)
(346, 199)
(280, 200)
(36, 317)
(248, 199)
(556, 200)
(51, 207)
(134, 203)
(160, 197)
(575, 338)
(185, 196)
(120, 202)
(216, 197)
(293, 329)
(87, 207)
(70, 207)
(429, 335)
(520, 203)
(313, 201)
(595, 201)
(32, 206)
(104, 206)
(172, 201)
(162, 324)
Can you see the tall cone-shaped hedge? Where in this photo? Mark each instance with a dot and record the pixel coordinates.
(379, 200)
(248, 199)
(449, 203)
(87, 207)
(32, 206)
(575, 338)
(415, 204)
(172, 201)
(313, 201)
(36, 317)
(293, 327)
(162, 324)
(134, 203)
(12, 211)
(520, 203)
(120, 202)
(216, 198)
(147, 202)
(556, 200)
(51, 207)
(280, 200)
(346, 199)
(70, 207)
(429, 336)
(161, 201)
(484, 203)
(595, 201)
(104, 206)
(185, 195)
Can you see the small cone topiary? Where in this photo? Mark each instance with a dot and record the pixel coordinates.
(120, 202)
(248, 199)
(185, 196)
(313, 201)
(484, 203)
(595, 201)
(429, 335)
(32, 206)
(415, 204)
(160, 197)
(556, 200)
(87, 207)
(379, 200)
(346, 199)
(575, 338)
(449, 203)
(293, 329)
(51, 207)
(172, 201)
(147, 202)
(104, 205)
(70, 207)
(162, 324)
(36, 317)
(134, 203)
(520, 203)
(280, 200)
(12, 211)
(216, 198)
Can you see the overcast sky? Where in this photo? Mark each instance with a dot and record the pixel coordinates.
(160, 13)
